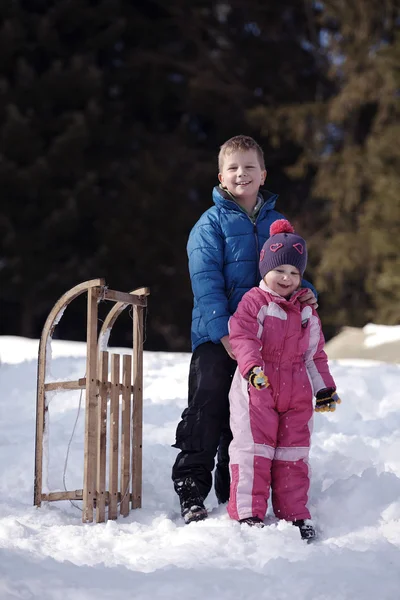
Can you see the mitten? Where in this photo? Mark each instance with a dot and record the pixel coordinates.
(257, 378)
(327, 400)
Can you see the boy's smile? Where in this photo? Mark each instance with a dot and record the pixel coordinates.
(242, 175)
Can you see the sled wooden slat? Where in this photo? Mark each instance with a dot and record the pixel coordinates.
(55, 496)
(89, 475)
(75, 385)
(102, 439)
(65, 385)
(137, 411)
(125, 433)
(123, 297)
(76, 495)
(114, 433)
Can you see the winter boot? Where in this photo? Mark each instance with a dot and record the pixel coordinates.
(307, 530)
(192, 507)
(222, 479)
(252, 522)
(222, 482)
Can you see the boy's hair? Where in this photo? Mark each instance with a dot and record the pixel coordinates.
(240, 143)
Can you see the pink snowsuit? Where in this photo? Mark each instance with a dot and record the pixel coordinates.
(272, 427)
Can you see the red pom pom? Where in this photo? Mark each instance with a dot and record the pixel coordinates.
(280, 226)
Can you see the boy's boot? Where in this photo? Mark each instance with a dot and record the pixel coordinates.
(222, 482)
(192, 506)
(307, 530)
(222, 478)
(252, 522)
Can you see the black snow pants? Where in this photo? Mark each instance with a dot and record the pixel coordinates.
(204, 429)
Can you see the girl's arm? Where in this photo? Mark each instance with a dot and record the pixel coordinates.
(245, 331)
(316, 358)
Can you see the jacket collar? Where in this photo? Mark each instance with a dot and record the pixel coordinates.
(224, 199)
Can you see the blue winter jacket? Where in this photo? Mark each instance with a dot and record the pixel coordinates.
(223, 249)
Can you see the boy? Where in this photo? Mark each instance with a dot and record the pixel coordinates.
(223, 250)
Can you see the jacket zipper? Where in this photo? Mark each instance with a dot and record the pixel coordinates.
(254, 223)
(256, 238)
(279, 364)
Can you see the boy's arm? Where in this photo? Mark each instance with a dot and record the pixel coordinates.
(244, 334)
(206, 259)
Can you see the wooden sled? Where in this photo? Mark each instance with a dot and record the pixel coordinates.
(102, 404)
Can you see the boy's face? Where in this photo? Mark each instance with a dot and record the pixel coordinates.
(284, 280)
(242, 174)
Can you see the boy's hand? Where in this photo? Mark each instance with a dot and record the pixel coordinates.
(227, 345)
(327, 400)
(308, 298)
(257, 378)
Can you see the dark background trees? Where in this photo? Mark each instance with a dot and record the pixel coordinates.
(111, 116)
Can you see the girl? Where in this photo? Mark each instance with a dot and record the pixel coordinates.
(278, 343)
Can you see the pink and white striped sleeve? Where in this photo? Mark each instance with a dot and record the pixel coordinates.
(244, 333)
(316, 358)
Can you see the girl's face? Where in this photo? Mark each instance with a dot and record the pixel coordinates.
(284, 280)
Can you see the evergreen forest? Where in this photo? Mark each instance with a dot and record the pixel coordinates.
(112, 113)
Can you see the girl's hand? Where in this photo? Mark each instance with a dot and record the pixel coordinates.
(308, 298)
(258, 379)
(327, 399)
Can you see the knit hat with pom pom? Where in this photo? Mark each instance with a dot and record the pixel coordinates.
(284, 247)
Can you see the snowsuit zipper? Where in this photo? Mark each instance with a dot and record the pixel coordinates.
(278, 368)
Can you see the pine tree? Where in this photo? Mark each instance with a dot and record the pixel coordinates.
(347, 152)
(111, 114)
(54, 170)
(358, 177)
(193, 71)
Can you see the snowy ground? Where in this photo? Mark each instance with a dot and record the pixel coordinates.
(48, 554)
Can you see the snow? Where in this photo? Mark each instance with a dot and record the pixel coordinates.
(48, 554)
(380, 334)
